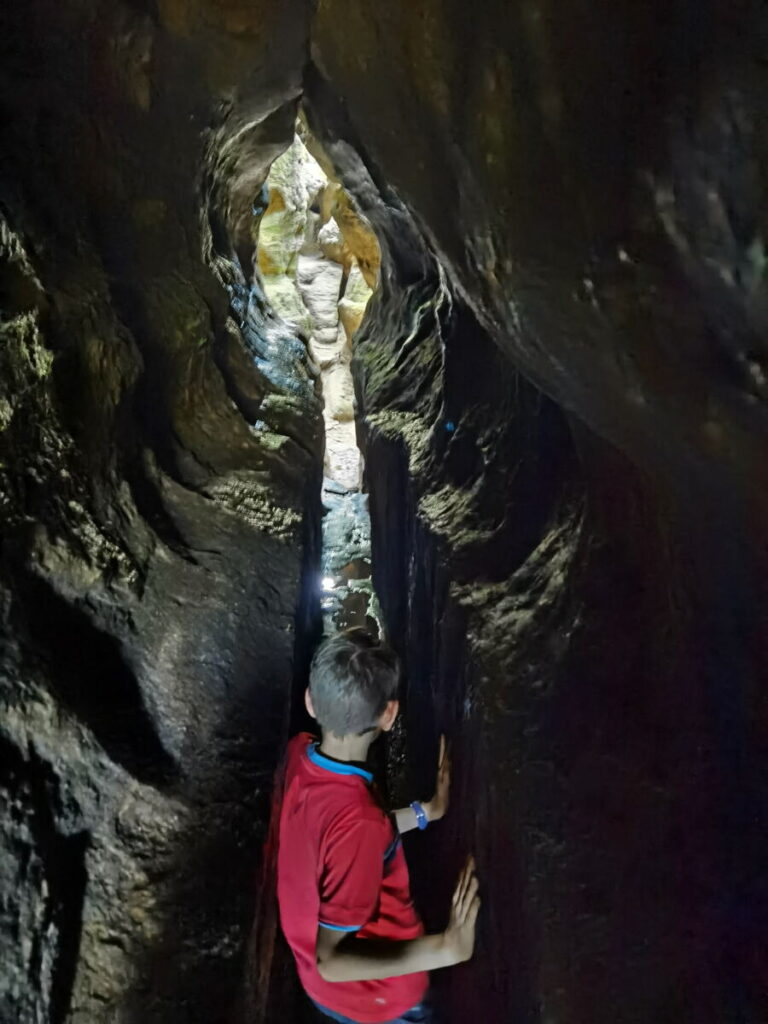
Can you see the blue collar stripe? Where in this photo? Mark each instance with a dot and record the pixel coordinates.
(337, 767)
(339, 927)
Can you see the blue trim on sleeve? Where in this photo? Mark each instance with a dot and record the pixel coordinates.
(337, 767)
(339, 927)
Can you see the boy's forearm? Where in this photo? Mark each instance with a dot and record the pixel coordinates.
(371, 959)
(406, 819)
(406, 816)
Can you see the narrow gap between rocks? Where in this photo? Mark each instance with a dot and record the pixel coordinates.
(318, 261)
(561, 382)
(316, 264)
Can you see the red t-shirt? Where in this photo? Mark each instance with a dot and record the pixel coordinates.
(341, 864)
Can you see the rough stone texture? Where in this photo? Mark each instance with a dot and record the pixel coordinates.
(159, 483)
(586, 623)
(591, 177)
(319, 261)
(348, 598)
(288, 225)
(575, 575)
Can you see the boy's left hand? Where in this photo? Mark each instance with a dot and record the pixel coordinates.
(438, 805)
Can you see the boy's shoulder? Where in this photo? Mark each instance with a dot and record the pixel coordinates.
(339, 805)
(296, 750)
(300, 738)
(298, 743)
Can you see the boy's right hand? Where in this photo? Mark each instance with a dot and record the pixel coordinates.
(459, 936)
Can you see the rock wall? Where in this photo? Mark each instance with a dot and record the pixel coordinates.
(319, 262)
(585, 622)
(562, 395)
(542, 594)
(592, 179)
(159, 479)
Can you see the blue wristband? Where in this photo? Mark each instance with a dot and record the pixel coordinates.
(421, 815)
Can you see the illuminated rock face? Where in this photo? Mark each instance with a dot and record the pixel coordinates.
(319, 262)
(560, 385)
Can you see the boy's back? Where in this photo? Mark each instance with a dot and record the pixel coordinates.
(341, 865)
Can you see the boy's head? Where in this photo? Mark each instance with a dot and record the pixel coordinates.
(353, 684)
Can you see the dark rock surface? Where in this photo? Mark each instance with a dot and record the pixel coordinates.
(586, 623)
(591, 177)
(562, 394)
(160, 474)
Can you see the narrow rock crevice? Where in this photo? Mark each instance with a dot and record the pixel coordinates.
(501, 287)
(318, 263)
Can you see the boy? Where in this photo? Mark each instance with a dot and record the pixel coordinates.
(342, 880)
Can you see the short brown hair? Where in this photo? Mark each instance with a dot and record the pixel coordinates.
(352, 678)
